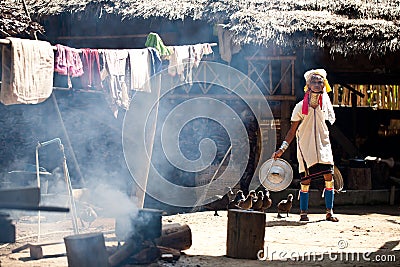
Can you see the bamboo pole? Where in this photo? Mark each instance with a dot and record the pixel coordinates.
(141, 192)
(7, 42)
(64, 129)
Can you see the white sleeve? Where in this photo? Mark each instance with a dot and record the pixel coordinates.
(297, 114)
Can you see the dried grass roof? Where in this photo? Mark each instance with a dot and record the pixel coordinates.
(343, 26)
(15, 22)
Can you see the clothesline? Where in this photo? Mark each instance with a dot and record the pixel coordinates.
(7, 42)
(75, 89)
(118, 71)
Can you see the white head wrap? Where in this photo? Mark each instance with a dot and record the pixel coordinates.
(327, 107)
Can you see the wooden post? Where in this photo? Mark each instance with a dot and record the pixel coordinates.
(246, 231)
(359, 179)
(392, 195)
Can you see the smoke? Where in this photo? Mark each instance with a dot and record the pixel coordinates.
(192, 135)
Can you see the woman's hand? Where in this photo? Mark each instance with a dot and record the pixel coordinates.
(277, 154)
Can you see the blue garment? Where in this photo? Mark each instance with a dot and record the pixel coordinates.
(156, 62)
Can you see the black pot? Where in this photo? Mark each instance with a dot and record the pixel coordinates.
(145, 225)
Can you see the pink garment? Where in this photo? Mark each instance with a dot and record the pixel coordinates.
(68, 61)
(91, 77)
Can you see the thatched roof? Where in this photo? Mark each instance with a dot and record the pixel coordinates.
(15, 22)
(343, 26)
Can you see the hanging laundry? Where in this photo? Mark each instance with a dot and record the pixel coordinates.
(156, 62)
(91, 69)
(185, 58)
(27, 72)
(68, 62)
(179, 58)
(140, 67)
(143, 63)
(200, 50)
(113, 76)
(227, 47)
(155, 41)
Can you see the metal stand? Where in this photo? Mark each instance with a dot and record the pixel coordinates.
(67, 181)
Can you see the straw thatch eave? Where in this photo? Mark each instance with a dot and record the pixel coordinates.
(14, 22)
(342, 26)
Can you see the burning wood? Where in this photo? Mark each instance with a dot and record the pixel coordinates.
(173, 239)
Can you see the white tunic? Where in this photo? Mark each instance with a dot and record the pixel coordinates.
(313, 144)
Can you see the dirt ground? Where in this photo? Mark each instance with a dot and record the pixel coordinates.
(365, 235)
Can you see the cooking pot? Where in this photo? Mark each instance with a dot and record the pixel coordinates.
(145, 225)
(357, 163)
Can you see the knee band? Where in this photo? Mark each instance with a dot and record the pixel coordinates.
(304, 196)
(304, 187)
(329, 194)
(329, 185)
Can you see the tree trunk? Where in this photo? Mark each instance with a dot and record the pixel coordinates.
(246, 231)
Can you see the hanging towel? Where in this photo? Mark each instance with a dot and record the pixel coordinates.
(140, 69)
(227, 47)
(154, 40)
(91, 69)
(27, 72)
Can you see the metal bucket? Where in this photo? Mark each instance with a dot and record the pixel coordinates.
(86, 250)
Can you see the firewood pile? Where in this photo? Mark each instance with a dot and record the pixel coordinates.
(174, 239)
(142, 239)
(14, 22)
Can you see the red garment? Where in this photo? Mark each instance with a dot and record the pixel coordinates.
(91, 77)
(67, 61)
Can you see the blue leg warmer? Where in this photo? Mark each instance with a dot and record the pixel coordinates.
(329, 197)
(303, 201)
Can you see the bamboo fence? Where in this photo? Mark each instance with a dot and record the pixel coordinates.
(376, 96)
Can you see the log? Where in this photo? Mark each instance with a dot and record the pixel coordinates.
(246, 231)
(175, 236)
(129, 248)
(145, 256)
(86, 250)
